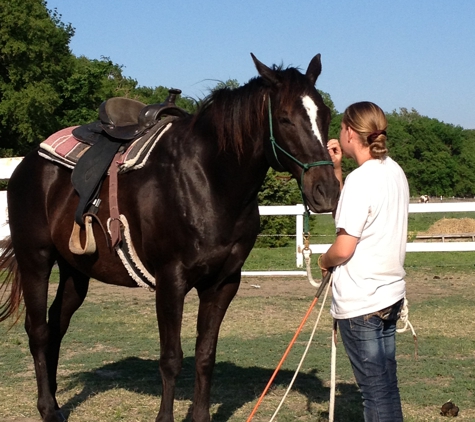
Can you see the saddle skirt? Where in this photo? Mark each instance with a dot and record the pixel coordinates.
(63, 148)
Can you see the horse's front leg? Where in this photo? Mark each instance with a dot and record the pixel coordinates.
(214, 303)
(170, 297)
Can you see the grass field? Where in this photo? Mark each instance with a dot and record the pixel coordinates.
(109, 369)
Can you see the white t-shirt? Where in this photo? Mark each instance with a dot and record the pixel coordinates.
(373, 207)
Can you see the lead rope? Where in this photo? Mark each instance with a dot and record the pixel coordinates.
(304, 354)
(324, 282)
(404, 317)
(331, 410)
(307, 253)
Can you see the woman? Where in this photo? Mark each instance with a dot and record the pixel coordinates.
(367, 257)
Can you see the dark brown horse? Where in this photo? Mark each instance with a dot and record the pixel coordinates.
(193, 216)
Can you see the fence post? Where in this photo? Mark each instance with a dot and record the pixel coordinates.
(299, 211)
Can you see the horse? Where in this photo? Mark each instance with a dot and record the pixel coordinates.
(193, 218)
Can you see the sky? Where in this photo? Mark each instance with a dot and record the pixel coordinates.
(416, 54)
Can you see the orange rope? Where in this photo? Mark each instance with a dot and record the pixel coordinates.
(315, 299)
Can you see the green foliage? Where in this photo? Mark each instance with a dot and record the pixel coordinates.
(438, 158)
(88, 84)
(34, 59)
(44, 87)
(229, 84)
(158, 94)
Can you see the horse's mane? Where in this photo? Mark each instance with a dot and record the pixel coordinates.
(236, 113)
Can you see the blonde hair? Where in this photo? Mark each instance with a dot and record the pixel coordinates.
(369, 122)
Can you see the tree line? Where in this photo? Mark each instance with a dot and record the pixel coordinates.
(44, 87)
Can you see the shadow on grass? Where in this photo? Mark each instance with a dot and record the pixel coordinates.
(232, 386)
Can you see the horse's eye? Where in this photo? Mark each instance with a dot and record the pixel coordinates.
(285, 121)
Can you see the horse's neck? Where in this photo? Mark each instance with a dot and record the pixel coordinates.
(243, 176)
(225, 172)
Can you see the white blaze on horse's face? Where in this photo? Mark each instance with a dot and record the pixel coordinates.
(312, 111)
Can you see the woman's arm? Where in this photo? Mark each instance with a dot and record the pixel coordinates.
(341, 251)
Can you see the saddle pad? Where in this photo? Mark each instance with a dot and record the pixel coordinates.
(63, 148)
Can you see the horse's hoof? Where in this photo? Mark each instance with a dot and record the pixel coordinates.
(57, 416)
(60, 416)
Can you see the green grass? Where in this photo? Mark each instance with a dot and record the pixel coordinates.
(109, 369)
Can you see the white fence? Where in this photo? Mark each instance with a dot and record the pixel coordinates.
(7, 165)
(298, 212)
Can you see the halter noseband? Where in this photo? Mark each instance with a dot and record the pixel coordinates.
(304, 166)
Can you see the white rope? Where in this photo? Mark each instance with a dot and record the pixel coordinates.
(404, 317)
(307, 253)
(331, 410)
(304, 353)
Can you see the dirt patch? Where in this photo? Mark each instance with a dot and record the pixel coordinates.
(420, 285)
(451, 226)
(250, 286)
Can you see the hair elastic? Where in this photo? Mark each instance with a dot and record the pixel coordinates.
(372, 136)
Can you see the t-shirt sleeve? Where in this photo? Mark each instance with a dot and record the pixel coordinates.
(354, 207)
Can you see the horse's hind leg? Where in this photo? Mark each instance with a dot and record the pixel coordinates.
(45, 337)
(34, 269)
(72, 290)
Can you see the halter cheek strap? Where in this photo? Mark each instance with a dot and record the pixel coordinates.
(304, 166)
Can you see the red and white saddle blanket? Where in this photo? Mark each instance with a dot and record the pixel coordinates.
(63, 148)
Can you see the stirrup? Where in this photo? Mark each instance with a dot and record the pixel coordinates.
(75, 240)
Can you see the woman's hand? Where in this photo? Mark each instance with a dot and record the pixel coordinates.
(335, 152)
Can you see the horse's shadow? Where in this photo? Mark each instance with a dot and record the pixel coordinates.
(232, 386)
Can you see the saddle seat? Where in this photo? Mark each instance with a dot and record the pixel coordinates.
(123, 119)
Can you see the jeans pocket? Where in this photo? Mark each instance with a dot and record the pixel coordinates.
(364, 323)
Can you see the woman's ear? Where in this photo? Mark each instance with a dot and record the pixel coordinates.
(351, 133)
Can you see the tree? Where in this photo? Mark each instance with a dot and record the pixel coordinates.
(34, 59)
(437, 157)
(158, 94)
(89, 83)
(230, 84)
(44, 87)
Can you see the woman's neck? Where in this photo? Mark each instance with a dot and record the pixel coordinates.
(362, 155)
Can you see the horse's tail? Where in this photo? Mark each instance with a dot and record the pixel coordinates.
(11, 292)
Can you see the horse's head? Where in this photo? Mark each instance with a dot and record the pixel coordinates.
(299, 122)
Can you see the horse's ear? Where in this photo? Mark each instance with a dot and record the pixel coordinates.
(314, 69)
(267, 73)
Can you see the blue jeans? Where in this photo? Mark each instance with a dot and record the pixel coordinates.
(370, 344)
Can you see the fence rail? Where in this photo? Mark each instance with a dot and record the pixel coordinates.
(7, 165)
(298, 211)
